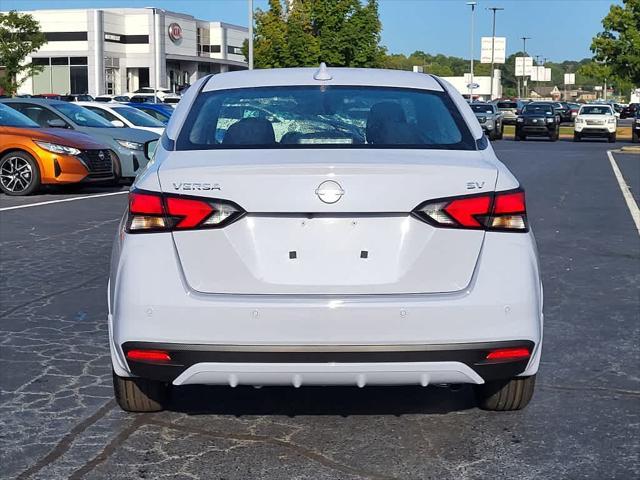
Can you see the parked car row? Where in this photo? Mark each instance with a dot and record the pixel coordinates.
(53, 141)
(543, 119)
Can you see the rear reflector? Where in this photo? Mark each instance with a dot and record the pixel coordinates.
(517, 353)
(148, 355)
(498, 211)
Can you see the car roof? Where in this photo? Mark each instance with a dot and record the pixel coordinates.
(372, 77)
(35, 101)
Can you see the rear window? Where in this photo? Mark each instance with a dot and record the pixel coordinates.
(507, 105)
(481, 108)
(596, 110)
(539, 109)
(324, 117)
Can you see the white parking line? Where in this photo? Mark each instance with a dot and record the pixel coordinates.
(16, 207)
(626, 192)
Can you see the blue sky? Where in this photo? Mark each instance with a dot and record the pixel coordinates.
(560, 29)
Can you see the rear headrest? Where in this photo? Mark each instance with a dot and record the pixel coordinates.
(379, 115)
(250, 131)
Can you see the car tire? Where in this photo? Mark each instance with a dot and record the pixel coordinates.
(501, 134)
(635, 137)
(505, 395)
(140, 394)
(576, 137)
(612, 138)
(19, 161)
(492, 136)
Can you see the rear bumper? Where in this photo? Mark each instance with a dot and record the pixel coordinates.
(501, 304)
(327, 364)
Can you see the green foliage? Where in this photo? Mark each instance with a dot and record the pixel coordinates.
(338, 32)
(618, 46)
(20, 36)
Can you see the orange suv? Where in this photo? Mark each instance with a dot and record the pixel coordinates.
(31, 156)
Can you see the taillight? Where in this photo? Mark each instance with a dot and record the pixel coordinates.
(155, 212)
(517, 353)
(499, 211)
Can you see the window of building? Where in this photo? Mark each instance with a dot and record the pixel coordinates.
(215, 48)
(61, 75)
(234, 50)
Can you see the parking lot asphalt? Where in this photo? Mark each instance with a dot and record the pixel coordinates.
(59, 419)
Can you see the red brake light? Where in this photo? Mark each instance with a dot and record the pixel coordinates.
(499, 211)
(517, 353)
(509, 203)
(466, 211)
(149, 355)
(192, 212)
(145, 204)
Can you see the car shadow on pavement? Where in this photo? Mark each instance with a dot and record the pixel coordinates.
(341, 401)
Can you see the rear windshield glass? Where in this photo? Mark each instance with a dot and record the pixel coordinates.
(479, 108)
(324, 117)
(540, 109)
(596, 110)
(507, 105)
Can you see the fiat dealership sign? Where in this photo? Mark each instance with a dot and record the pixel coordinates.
(175, 32)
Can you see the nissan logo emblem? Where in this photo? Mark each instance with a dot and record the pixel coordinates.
(175, 32)
(329, 191)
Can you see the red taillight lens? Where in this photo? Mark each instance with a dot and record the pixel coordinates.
(517, 353)
(155, 212)
(190, 212)
(149, 355)
(500, 211)
(467, 211)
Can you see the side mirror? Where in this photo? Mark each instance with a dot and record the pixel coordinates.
(57, 123)
(117, 123)
(617, 114)
(150, 148)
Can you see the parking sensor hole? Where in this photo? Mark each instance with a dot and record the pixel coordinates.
(293, 254)
(364, 254)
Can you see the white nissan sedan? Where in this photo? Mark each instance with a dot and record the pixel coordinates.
(327, 226)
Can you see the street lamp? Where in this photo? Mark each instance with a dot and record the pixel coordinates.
(473, 9)
(524, 77)
(250, 35)
(493, 45)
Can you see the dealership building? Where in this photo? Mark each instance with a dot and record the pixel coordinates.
(118, 50)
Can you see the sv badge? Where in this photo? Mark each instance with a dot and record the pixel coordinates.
(475, 185)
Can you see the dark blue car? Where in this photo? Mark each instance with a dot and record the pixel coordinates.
(159, 111)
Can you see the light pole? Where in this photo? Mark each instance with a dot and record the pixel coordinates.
(493, 46)
(524, 77)
(250, 34)
(473, 9)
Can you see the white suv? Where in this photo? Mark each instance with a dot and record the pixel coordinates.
(597, 120)
(376, 240)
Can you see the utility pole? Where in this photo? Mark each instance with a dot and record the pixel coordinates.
(493, 46)
(473, 9)
(250, 35)
(524, 77)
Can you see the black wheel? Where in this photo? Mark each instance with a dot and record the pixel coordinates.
(19, 174)
(505, 395)
(612, 138)
(140, 394)
(576, 137)
(492, 135)
(555, 135)
(635, 137)
(501, 134)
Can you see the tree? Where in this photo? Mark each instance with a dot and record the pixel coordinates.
(618, 46)
(307, 32)
(20, 36)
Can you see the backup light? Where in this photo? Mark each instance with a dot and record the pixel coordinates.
(500, 211)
